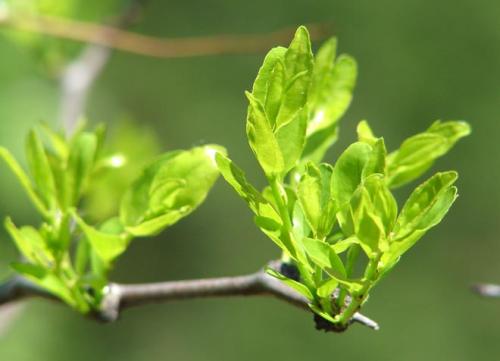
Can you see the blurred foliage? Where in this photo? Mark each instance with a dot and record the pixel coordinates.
(51, 53)
(137, 144)
(66, 255)
(418, 60)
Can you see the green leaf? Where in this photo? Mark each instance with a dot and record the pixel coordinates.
(396, 249)
(322, 254)
(274, 230)
(30, 243)
(424, 209)
(382, 202)
(135, 203)
(329, 98)
(82, 256)
(300, 226)
(331, 89)
(427, 205)
(451, 130)
(297, 286)
(318, 143)
(236, 178)
(169, 189)
(24, 180)
(370, 215)
(40, 170)
(313, 192)
(365, 133)
(291, 139)
(327, 288)
(344, 244)
(298, 65)
(377, 159)
(269, 84)
(369, 230)
(418, 153)
(329, 208)
(262, 140)
(322, 313)
(348, 171)
(309, 193)
(324, 61)
(157, 224)
(273, 227)
(48, 281)
(109, 241)
(56, 140)
(81, 161)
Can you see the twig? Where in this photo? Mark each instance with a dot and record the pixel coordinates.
(79, 75)
(119, 297)
(119, 39)
(76, 81)
(487, 290)
(8, 315)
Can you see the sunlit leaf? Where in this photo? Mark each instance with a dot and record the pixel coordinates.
(418, 153)
(297, 286)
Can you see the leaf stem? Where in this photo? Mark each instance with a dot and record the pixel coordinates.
(277, 190)
(359, 297)
(352, 257)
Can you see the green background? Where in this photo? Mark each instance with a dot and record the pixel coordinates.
(419, 61)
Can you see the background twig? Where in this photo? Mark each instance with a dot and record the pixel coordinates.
(487, 290)
(113, 37)
(79, 75)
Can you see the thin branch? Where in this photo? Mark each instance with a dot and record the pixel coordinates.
(79, 75)
(119, 39)
(487, 290)
(120, 297)
(8, 315)
(76, 81)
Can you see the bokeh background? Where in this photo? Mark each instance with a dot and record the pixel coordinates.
(419, 60)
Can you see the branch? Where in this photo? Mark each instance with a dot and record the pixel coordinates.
(119, 297)
(79, 75)
(76, 81)
(487, 290)
(109, 36)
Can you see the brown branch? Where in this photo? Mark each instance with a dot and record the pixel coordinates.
(119, 39)
(119, 297)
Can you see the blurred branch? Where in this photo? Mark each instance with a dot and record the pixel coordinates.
(119, 297)
(119, 39)
(487, 290)
(76, 81)
(79, 75)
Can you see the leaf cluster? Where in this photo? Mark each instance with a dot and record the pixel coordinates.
(65, 254)
(338, 224)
